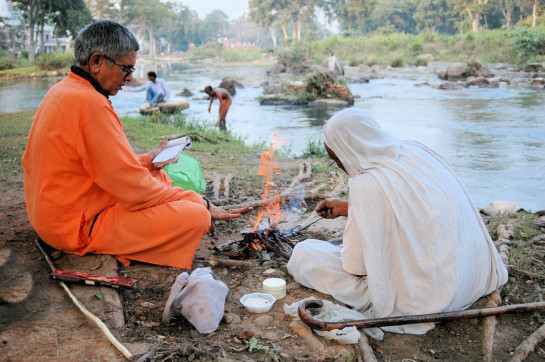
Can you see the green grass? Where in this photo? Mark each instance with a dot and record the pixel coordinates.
(14, 128)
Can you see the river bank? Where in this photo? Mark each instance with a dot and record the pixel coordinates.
(40, 322)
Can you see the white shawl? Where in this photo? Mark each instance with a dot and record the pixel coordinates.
(411, 227)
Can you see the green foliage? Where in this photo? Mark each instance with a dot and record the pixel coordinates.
(314, 149)
(421, 62)
(398, 62)
(241, 55)
(305, 97)
(55, 60)
(212, 50)
(527, 43)
(14, 128)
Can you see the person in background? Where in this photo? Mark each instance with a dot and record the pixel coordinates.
(86, 190)
(225, 100)
(157, 89)
(413, 243)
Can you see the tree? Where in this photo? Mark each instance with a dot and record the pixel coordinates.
(147, 15)
(327, 7)
(215, 25)
(31, 10)
(435, 16)
(67, 17)
(353, 13)
(268, 14)
(507, 7)
(474, 9)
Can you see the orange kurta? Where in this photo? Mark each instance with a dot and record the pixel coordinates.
(78, 164)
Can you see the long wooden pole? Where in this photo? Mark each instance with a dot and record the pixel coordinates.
(128, 355)
(421, 318)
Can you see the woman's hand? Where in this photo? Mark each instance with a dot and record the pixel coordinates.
(152, 154)
(332, 208)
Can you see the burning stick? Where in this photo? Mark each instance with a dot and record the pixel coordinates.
(230, 263)
(421, 318)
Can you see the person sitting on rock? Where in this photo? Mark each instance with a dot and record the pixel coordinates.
(225, 100)
(157, 89)
(86, 190)
(413, 243)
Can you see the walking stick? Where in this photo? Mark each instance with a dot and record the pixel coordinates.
(420, 318)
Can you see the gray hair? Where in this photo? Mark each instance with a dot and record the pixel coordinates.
(106, 37)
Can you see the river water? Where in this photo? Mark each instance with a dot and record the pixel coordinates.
(493, 138)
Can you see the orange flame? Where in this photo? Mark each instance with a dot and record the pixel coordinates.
(271, 198)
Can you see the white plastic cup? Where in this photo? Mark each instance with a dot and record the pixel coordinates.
(276, 287)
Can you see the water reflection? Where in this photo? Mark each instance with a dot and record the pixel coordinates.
(492, 138)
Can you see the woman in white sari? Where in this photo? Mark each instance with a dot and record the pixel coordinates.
(414, 243)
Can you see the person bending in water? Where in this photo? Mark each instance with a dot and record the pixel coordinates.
(225, 100)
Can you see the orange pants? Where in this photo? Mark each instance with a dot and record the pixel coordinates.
(166, 234)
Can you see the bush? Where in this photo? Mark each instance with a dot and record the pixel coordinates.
(7, 63)
(397, 63)
(56, 60)
(527, 44)
(305, 97)
(314, 148)
(421, 62)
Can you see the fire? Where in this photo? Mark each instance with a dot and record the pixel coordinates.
(271, 198)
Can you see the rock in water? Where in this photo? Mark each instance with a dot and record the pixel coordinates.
(172, 106)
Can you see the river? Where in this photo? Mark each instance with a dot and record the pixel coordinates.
(493, 138)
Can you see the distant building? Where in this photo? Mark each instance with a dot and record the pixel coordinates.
(13, 35)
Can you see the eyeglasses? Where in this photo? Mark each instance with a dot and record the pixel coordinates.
(126, 69)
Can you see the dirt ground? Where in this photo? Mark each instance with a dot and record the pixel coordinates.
(39, 321)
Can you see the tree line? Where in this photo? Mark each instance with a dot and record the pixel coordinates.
(167, 26)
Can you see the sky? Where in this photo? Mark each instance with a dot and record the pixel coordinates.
(232, 8)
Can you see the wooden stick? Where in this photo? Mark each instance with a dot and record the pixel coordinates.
(528, 345)
(421, 318)
(366, 350)
(230, 263)
(85, 311)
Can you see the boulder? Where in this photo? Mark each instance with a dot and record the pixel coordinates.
(498, 208)
(456, 71)
(185, 93)
(230, 85)
(172, 106)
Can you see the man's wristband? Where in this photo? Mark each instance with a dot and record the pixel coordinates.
(207, 203)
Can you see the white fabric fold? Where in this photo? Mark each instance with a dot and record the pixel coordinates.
(411, 228)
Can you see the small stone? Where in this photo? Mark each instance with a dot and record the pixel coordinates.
(231, 318)
(269, 272)
(56, 254)
(285, 356)
(263, 321)
(293, 285)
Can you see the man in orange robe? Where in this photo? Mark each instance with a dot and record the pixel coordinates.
(86, 190)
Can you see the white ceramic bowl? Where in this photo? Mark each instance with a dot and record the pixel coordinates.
(258, 302)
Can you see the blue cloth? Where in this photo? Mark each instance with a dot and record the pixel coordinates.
(155, 92)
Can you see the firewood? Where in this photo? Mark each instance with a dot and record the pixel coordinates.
(230, 263)
(365, 349)
(489, 323)
(528, 345)
(303, 331)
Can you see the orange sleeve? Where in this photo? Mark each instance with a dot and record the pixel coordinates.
(108, 158)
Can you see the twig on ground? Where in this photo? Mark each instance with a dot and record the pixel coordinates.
(528, 345)
(365, 349)
(230, 263)
(527, 273)
(489, 323)
(85, 311)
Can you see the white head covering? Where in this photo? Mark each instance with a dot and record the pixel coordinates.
(411, 228)
(360, 140)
